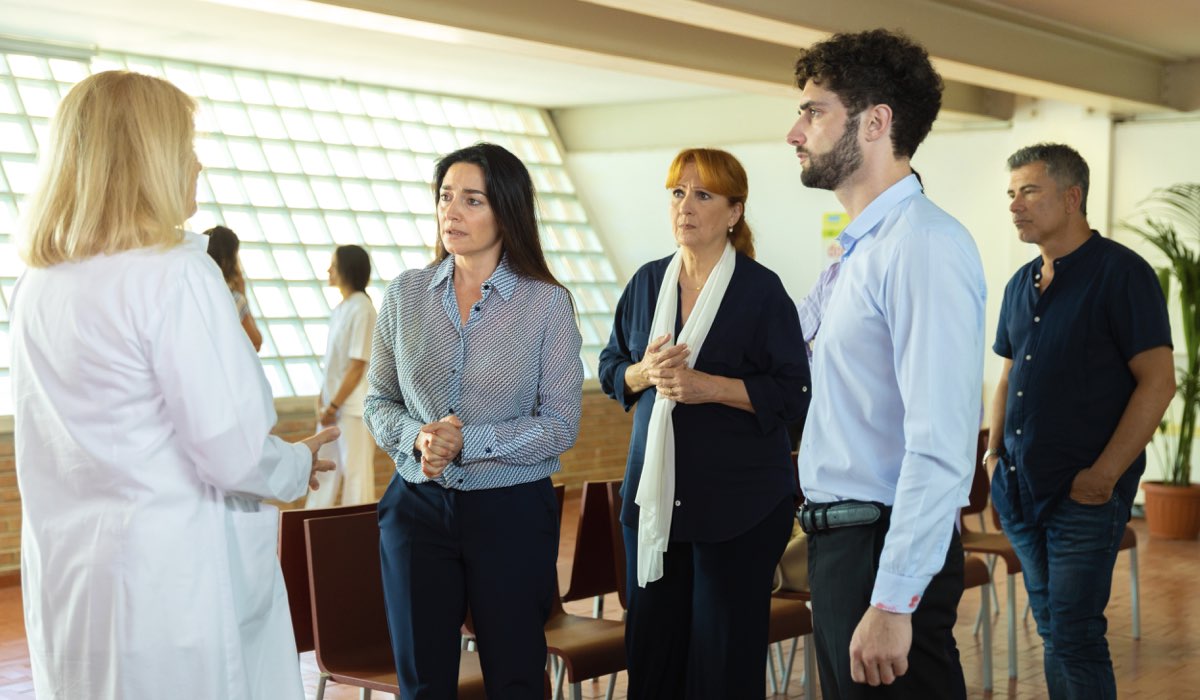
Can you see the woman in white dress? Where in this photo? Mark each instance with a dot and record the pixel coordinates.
(348, 350)
(141, 425)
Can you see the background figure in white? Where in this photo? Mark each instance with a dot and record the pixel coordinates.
(351, 327)
(141, 425)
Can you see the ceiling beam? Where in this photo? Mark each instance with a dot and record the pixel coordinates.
(988, 49)
(592, 34)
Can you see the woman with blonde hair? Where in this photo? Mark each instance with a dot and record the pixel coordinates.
(142, 425)
(707, 346)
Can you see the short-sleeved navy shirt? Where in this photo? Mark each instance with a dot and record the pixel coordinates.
(1070, 380)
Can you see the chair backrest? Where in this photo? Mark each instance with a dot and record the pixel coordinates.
(612, 490)
(293, 559)
(592, 570)
(348, 613)
(981, 484)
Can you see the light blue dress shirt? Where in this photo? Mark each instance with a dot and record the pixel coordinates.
(898, 381)
(512, 374)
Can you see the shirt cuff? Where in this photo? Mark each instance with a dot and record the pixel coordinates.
(896, 593)
(479, 443)
(618, 384)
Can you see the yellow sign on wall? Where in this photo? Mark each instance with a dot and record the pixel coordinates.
(832, 224)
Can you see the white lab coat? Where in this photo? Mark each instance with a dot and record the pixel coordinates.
(142, 448)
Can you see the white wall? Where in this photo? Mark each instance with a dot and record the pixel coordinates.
(964, 172)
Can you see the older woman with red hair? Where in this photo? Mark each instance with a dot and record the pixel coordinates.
(707, 346)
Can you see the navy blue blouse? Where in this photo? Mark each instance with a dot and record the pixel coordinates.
(1070, 380)
(731, 466)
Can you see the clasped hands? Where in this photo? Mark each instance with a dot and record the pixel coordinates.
(668, 372)
(439, 443)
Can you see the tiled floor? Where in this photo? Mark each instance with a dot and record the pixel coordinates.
(1162, 665)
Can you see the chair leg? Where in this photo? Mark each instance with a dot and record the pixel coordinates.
(1012, 626)
(991, 567)
(787, 670)
(321, 686)
(558, 679)
(598, 607)
(985, 605)
(771, 669)
(576, 691)
(612, 686)
(810, 668)
(1135, 594)
(364, 694)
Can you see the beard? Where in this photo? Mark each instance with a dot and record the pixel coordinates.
(827, 171)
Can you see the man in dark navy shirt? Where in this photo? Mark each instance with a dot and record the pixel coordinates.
(1088, 374)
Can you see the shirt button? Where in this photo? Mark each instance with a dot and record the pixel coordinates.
(1018, 431)
(1012, 469)
(1028, 358)
(678, 503)
(804, 389)
(460, 481)
(1020, 394)
(476, 308)
(487, 286)
(1037, 319)
(487, 450)
(451, 410)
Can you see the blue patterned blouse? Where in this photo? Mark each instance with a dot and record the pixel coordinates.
(512, 375)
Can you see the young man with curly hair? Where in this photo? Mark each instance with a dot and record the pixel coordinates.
(887, 454)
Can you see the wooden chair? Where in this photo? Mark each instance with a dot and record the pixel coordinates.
(350, 630)
(293, 559)
(593, 571)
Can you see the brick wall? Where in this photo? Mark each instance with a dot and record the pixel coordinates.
(599, 454)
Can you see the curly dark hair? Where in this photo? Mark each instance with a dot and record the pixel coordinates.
(878, 67)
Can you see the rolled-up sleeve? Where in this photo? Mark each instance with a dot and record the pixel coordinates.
(780, 394)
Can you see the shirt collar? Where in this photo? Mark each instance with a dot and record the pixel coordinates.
(503, 278)
(875, 211)
(1080, 253)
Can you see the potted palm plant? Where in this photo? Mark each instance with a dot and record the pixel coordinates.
(1169, 219)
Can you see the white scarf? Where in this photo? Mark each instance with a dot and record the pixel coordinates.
(656, 492)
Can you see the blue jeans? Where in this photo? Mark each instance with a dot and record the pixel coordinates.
(1068, 564)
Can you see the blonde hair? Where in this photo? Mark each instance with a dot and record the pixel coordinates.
(118, 172)
(721, 174)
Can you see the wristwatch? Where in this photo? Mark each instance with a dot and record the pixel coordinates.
(991, 452)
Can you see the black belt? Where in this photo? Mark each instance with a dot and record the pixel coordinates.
(821, 517)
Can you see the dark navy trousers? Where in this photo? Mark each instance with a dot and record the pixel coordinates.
(493, 552)
(700, 631)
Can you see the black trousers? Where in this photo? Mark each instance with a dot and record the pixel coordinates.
(842, 564)
(700, 631)
(493, 550)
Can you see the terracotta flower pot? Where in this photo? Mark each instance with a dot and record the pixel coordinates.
(1172, 512)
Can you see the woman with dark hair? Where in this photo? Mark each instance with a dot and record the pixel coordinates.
(223, 247)
(347, 351)
(707, 346)
(474, 390)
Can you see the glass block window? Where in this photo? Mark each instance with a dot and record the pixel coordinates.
(297, 166)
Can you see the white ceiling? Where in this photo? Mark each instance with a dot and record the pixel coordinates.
(453, 63)
(1109, 54)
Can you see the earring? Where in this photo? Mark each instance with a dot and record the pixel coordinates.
(731, 230)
